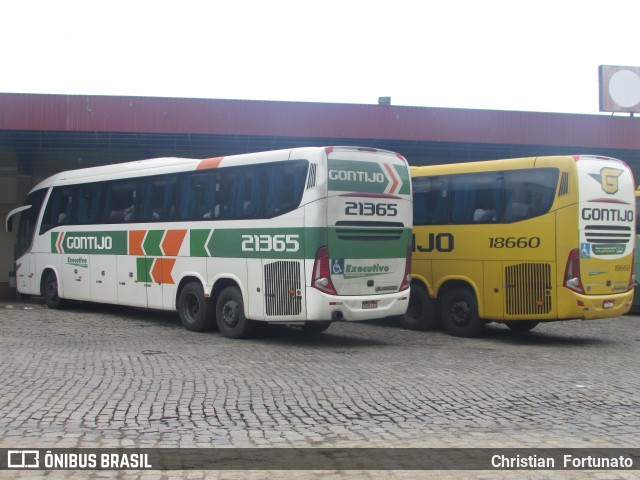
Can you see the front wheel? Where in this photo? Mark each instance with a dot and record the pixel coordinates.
(522, 325)
(421, 313)
(50, 291)
(460, 313)
(230, 314)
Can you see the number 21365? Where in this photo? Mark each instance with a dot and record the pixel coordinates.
(269, 243)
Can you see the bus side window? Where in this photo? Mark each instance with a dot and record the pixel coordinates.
(121, 205)
(430, 201)
(529, 193)
(463, 198)
(421, 190)
(485, 209)
(159, 199)
(284, 186)
(89, 203)
(60, 209)
(233, 199)
(198, 196)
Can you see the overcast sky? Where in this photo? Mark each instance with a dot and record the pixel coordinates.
(502, 55)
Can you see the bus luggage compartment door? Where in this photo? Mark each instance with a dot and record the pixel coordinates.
(528, 288)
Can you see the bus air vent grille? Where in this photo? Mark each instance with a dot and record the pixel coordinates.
(564, 184)
(528, 289)
(369, 230)
(282, 288)
(368, 234)
(612, 234)
(311, 180)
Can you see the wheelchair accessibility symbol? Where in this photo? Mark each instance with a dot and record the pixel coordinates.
(585, 250)
(337, 266)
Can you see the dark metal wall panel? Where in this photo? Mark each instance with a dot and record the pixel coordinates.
(313, 120)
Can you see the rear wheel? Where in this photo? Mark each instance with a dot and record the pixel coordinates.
(421, 313)
(230, 314)
(460, 313)
(50, 291)
(194, 309)
(522, 325)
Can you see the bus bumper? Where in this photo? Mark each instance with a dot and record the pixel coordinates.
(590, 307)
(321, 306)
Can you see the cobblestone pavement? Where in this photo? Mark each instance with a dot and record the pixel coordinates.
(102, 376)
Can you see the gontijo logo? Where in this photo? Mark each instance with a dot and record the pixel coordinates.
(371, 177)
(89, 242)
(608, 179)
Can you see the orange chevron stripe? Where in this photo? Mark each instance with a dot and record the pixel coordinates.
(59, 242)
(161, 270)
(172, 242)
(135, 242)
(209, 163)
(394, 179)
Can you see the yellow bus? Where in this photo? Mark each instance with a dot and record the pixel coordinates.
(521, 241)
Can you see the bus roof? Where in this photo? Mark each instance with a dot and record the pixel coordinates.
(497, 165)
(163, 165)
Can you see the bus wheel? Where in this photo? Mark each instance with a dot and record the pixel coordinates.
(230, 314)
(194, 308)
(50, 291)
(315, 327)
(421, 314)
(460, 313)
(522, 325)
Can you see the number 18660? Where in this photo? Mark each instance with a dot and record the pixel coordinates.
(514, 242)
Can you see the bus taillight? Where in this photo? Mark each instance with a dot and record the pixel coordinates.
(322, 273)
(406, 280)
(572, 272)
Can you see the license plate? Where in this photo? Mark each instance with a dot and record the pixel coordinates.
(607, 304)
(369, 304)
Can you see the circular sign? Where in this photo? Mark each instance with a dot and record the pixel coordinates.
(624, 88)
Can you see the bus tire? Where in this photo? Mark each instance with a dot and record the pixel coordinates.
(50, 291)
(421, 313)
(194, 309)
(230, 314)
(460, 313)
(313, 328)
(522, 325)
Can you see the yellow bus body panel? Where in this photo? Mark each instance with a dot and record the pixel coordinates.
(517, 270)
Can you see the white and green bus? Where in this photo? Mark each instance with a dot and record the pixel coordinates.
(302, 236)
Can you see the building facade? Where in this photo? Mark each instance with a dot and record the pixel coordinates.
(43, 134)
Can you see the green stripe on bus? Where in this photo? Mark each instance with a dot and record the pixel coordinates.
(403, 173)
(143, 269)
(258, 243)
(152, 241)
(54, 240)
(198, 240)
(106, 243)
(268, 243)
